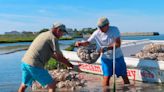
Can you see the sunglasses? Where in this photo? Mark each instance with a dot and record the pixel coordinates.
(102, 26)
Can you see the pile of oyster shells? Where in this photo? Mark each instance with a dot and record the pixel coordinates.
(88, 54)
(65, 79)
(152, 51)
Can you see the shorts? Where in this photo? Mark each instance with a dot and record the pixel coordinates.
(31, 74)
(120, 67)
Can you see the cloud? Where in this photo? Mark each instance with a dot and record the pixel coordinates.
(127, 21)
(11, 22)
(42, 11)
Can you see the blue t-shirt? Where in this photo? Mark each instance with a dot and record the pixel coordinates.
(105, 39)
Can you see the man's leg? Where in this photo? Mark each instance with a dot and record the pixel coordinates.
(22, 88)
(51, 87)
(26, 78)
(107, 70)
(126, 80)
(44, 78)
(106, 81)
(121, 69)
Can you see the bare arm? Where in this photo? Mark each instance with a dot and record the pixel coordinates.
(117, 43)
(110, 47)
(82, 43)
(59, 57)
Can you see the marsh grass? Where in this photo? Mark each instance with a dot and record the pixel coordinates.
(16, 38)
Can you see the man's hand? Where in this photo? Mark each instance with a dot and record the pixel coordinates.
(75, 68)
(103, 49)
(77, 43)
(83, 43)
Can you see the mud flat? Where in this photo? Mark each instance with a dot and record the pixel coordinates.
(13, 49)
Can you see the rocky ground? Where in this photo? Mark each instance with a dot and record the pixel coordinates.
(70, 81)
(66, 80)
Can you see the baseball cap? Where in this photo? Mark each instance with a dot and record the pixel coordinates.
(61, 26)
(102, 22)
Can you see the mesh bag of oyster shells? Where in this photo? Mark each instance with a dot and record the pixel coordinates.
(88, 54)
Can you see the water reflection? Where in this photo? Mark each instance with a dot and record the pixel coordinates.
(10, 70)
(15, 47)
(14, 44)
(12, 49)
(120, 87)
(10, 73)
(10, 76)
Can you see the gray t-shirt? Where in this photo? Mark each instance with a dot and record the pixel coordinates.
(41, 49)
(105, 39)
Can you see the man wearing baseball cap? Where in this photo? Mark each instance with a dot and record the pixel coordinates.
(106, 36)
(60, 26)
(44, 46)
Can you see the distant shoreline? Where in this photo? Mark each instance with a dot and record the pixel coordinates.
(23, 38)
(131, 34)
(29, 38)
(13, 49)
(139, 33)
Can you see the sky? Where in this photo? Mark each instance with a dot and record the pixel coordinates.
(127, 15)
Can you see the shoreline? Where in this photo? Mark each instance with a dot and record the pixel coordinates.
(95, 85)
(140, 34)
(21, 38)
(25, 47)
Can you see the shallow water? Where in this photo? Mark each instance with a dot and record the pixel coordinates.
(94, 85)
(10, 78)
(137, 87)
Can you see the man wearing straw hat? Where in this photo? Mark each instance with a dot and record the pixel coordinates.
(105, 36)
(44, 46)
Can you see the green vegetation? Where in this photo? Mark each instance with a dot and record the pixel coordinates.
(77, 34)
(17, 38)
(70, 48)
(29, 36)
(52, 63)
(88, 30)
(84, 31)
(44, 30)
(66, 38)
(23, 38)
